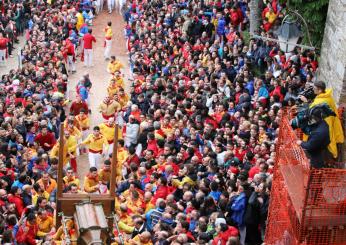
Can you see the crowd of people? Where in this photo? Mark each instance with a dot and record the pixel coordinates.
(197, 129)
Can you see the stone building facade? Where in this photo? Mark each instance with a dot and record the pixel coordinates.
(333, 55)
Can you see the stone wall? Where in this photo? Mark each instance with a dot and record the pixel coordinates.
(333, 55)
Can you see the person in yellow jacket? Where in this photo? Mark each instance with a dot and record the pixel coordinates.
(108, 40)
(91, 181)
(60, 236)
(70, 127)
(114, 66)
(105, 172)
(125, 221)
(45, 223)
(270, 15)
(97, 144)
(112, 87)
(39, 192)
(70, 149)
(109, 107)
(122, 156)
(184, 174)
(80, 19)
(84, 124)
(336, 134)
(107, 129)
(119, 79)
(70, 178)
(148, 198)
(135, 203)
(143, 238)
(122, 97)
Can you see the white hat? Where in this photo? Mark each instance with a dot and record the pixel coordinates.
(219, 221)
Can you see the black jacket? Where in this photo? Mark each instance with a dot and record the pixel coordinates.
(317, 144)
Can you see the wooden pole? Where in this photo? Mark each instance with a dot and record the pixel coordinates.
(61, 161)
(114, 163)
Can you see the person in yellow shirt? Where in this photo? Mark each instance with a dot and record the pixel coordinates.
(112, 87)
(114, 65)
(134, 203)
(142, 239)
(70, 127)
(70, 150)
(166, 127)
(47, 183)
(325, 96)
(45, 223)
(105, 172)
(148, 197)
(84, 123)
(97, 144)
(270, 15)
(91, 181)
(186, 178)
(107, 129)
(109, 107)
(80, 19)
(125, 223)
(39, 192)
(108, 40)
(70, 178)
(71, 119)
(59, 236)
(119, 79)
(122, 97)
(122, 156)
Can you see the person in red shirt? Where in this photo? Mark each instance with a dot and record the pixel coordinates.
(45, 139)
(15, 197)
(70, 56)
(27, 233)
(88, 48)
(3, 48)
(78, 105)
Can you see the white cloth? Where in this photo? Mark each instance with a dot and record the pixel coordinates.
(88, 57)
(97, 6)
(71, 64)
(94, 159)
(132, 130)
(110, 149)
(120, 4)
(108, 48)
(111, 5)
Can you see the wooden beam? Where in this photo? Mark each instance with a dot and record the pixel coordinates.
(60, 162)
(114, 163)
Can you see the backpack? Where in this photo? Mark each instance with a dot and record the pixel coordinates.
(3, 43)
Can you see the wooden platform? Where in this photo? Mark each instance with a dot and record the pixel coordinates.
(67, 202)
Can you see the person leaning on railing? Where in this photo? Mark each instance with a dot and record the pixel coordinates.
(318, 140)
(336, 134)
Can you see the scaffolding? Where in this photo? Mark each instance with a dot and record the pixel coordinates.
(307, 206)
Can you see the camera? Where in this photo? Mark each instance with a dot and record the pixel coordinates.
(305, 114)
(307, 93)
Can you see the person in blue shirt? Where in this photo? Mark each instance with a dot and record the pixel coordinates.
(215, 193)
(20, 182)
(262, 92)
(83, 91)
(238, 210)
(153, 216)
